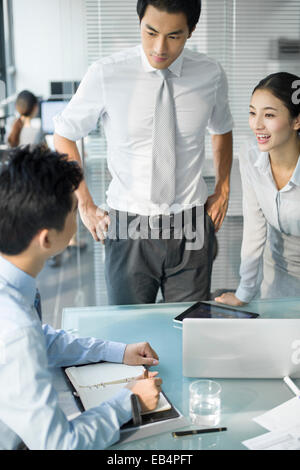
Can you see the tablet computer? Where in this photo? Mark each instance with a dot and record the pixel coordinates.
(204, 310)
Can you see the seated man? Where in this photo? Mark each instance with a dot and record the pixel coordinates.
(37, 219)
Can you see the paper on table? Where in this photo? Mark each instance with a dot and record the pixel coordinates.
(286, 439)
(283, 422)
(282, 417)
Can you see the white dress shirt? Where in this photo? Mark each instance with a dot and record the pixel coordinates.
(121, 90)
(271, 229)
(29, 408)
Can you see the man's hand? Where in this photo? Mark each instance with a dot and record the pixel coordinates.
(216, 207)
(95, 219)
(229, 298)
(140, 353)
(147, 390)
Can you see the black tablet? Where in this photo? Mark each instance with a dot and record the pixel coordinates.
(203, 310)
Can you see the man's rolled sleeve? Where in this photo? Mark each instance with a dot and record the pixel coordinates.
(82, 113)
(221, 121)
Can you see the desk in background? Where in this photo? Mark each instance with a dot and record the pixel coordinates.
(242, 400)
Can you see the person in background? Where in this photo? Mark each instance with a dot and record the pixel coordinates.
(270, 171)
(23, 132)
(37, 219)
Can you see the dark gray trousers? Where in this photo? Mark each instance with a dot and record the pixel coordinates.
(136, 267)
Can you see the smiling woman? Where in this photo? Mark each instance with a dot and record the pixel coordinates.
(270, 169)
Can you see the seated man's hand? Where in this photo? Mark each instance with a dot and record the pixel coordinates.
(147, 375)
(229, 298)
(140, 354)
(147, 390)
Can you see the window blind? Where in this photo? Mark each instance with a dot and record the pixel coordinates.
(114, 25)
(250, 40)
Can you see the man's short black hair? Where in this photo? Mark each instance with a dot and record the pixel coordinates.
(36, 187)
(191, 8)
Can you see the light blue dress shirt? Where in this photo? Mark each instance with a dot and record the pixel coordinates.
(29, 409)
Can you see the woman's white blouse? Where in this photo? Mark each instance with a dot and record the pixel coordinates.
(266, 212)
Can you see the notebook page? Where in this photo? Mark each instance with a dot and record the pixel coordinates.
(84, 379)
(94, 374)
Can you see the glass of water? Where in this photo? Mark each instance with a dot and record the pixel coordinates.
(205, 402)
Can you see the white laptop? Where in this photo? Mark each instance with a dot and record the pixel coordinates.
(241, 348)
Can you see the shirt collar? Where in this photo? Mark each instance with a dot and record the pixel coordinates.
(175, 67)
(263, 162)
(296, 175)
(21, 281)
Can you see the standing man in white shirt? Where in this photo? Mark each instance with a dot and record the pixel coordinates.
(155, 126)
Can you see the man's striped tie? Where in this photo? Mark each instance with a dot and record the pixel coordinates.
(163, 154)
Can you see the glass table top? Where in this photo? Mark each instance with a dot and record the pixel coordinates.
(241, 399)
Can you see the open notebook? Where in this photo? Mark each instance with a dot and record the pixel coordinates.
(96, 383)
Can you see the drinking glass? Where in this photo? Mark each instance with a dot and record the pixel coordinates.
(205, 402)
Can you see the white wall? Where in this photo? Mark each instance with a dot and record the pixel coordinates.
(50, 43)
